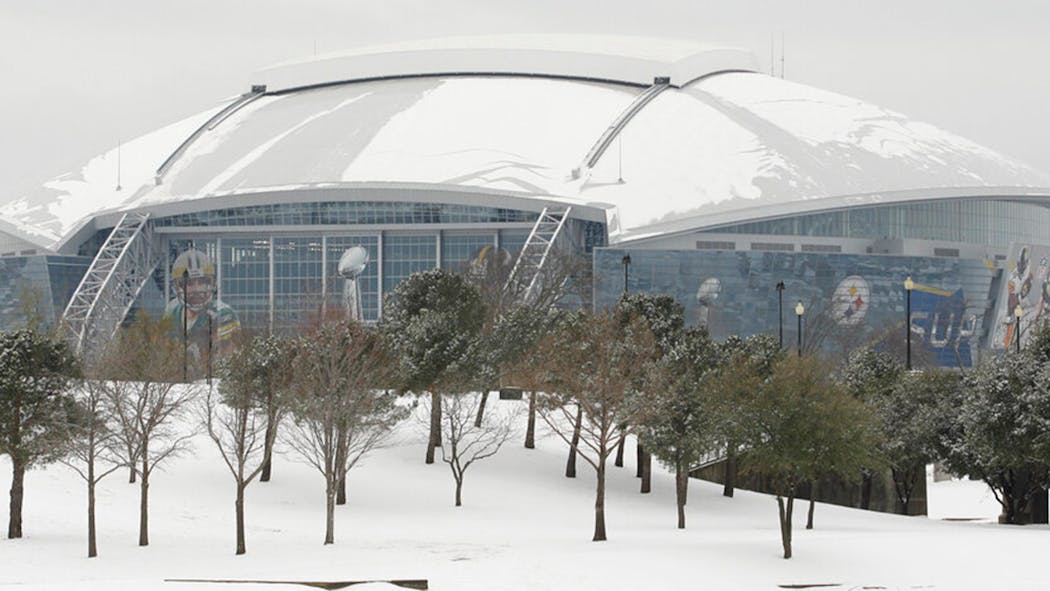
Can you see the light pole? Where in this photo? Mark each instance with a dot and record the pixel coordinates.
(626, 269)
(908, 286)
(1018, 313)
(780, 308)
(799, 311)
(185, 322)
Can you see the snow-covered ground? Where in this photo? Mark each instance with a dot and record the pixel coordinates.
(523, 526)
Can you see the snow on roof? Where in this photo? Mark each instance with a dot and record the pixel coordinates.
(726, 148)
(64, 204)
(624, 59)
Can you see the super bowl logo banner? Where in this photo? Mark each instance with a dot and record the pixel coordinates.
(940, 321)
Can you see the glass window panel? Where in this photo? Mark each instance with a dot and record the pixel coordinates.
(404, 255)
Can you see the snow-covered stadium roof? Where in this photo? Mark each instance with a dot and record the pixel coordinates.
(498, 122)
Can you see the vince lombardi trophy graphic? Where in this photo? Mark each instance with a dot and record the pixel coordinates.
(351, 265)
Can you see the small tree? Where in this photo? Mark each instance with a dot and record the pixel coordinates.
(994, 433)
(243, 421)
(139, 372)
(266, 367)
(911, 425)
(340, 408)
(871, 376)
(665, 318)
(680, 425)
(432, 322)
(93, 452)
(802, 427)
(37, 409)
(747, 363)
(464, 442)
(594, 363)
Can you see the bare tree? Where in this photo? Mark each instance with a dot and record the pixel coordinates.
(241, 430)
(464, 442)
(339, 408)
(93, 452)
(140, 370)
(594, 364)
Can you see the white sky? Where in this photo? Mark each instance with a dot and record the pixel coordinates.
(77, 77)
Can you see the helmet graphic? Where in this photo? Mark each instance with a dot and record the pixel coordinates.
(194, 276)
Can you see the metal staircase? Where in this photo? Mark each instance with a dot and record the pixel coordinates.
(525, 276)
(116, 277)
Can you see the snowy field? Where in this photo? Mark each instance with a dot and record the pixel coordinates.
(523, 526)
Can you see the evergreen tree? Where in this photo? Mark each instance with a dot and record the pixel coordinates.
(665, 318)
(871, 376)
(432, 322)
(37, 409)
(995, 432)
(679, 426)
(745, 363)
(801, 427)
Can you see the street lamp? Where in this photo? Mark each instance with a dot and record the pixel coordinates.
(185, 322)
(780, 307)
(908, 286)
(626, 267)
(799, 311)
(1018, 313)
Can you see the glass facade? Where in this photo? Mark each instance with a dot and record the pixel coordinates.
(342, 213)
(458, 250)
(974, 221)
(244, 280)
(39, 285)
(404, 255)
(850, 300)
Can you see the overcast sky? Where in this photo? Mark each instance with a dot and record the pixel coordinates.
(77, 77)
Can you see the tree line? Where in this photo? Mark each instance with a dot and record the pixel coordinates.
(333, 394)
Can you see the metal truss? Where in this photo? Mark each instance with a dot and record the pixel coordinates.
(524, 277)
(621, 121)
(111, 285)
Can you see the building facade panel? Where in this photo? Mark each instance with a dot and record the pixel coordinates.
(849, 300)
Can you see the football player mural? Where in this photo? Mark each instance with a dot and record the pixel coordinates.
(208, 323)
(1027, 284)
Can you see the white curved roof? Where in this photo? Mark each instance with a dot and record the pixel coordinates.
(727, 147)
(628, 60)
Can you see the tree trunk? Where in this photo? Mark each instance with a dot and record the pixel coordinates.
(619, 449)
(271, 429)
(730, 480)
(239, 504)
(144, 505)
(865, 491)
(18, 474)
(530, 430)
(812, 503)
(340, 461)
(459, 492)
(92, 544)
(132, 475)
(639, 457)
(785, 523)
(570, 465)
(681, 487)
(904, 484)
(599, 503)
(329, 529)
(481, 409)
(435, 426)
(647, 472)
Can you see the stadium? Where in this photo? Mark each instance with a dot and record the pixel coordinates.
(670, 166)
